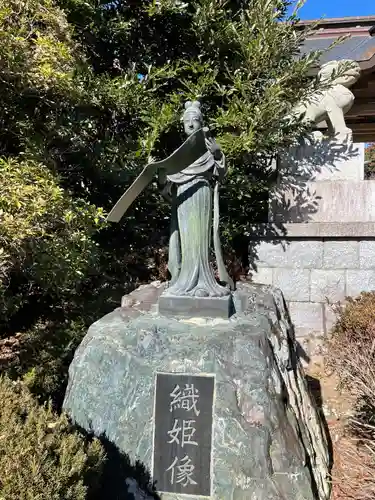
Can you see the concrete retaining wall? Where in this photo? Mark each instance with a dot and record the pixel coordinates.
(316, 273)
(319, 244)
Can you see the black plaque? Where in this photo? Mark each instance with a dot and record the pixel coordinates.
(183, 433)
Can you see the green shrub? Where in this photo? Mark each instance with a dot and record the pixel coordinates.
(36, 46)
(41, 456)
(45, 235)
(44, 354)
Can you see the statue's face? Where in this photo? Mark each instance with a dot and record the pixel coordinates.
(192, 122)
(349, 79)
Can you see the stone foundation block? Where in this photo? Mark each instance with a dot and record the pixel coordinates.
(307, 317)
(341, 254)
(358, 281)
(367, 254)
(330, 317)
(327, 285)
(264, 276)
(294, 283)
(290, 254)
(188, 307)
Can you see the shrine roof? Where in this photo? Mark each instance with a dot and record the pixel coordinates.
(359, 44)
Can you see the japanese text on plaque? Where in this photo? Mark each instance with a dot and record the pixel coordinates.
(182, 433)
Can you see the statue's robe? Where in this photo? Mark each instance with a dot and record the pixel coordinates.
(191, 226)
(191, 221)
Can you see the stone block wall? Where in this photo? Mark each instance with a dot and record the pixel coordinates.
(318, 246)
(314, 273)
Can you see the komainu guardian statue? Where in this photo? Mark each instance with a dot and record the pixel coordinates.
(334, 102)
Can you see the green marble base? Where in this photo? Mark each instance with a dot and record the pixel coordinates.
(268, 438)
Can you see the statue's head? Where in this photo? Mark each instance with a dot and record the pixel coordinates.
(192, 117)
(347, 78)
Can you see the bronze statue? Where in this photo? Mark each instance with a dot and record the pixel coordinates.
(191, 177)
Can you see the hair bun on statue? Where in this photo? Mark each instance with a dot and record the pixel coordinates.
(192, 104)
(192, 108)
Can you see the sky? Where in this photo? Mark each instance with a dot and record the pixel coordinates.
(315, 9)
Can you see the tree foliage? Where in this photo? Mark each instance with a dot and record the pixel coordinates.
(238, 58)
(370, 161)
(91, 89)
(45, 243)
(36, 49)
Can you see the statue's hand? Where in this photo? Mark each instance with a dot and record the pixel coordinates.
(213, 147)
(162, 178)
(166, 191)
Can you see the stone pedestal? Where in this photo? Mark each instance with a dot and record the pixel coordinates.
(319, 241)
(201, 307)
(319, 182)
(268, 439)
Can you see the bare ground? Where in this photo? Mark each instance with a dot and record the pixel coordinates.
(336, 405)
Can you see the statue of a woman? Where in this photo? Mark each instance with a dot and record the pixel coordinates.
(191, 175)
(192, 192)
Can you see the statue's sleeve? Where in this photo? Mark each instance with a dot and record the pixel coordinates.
(185, 155)
(221, 167)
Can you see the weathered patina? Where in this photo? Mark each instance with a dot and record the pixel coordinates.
(190, 177)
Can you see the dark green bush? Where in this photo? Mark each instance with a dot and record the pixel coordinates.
(41, 456)
(46, 242)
